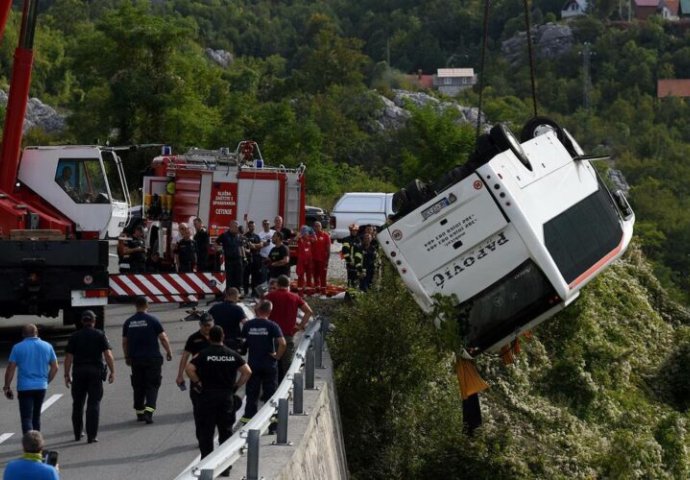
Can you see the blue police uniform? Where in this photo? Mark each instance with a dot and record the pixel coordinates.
(141, 331)
(228, 316)
(260, 335)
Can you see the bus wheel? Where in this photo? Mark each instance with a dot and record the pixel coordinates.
(504, 139)
(536, 126)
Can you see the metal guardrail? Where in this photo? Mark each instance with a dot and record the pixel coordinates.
(246, 439)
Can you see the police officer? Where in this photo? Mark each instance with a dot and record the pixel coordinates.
(214, 371)
(349, 253)
(261, 336)
(196, 342)
(230, 317)
(86, 350)
(140, 336)
(233, 249)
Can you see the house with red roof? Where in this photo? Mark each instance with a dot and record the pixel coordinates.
(673, 87)
(668, 9)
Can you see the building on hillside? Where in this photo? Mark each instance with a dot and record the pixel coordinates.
(452, 80)
(645, 8)
(673, 87)
(684, 8)
(667, 9)
(573, 8)
(421, 80)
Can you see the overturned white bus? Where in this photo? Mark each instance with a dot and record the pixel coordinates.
(515, 233)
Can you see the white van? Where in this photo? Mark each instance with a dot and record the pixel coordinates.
(362, 208)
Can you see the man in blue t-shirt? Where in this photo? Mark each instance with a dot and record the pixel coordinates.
(261, 336)
(229, 316)
(31, 465)
(36, 364)
(140, 336)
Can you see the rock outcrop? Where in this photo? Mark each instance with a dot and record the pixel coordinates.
(40, 115)
(550, 41)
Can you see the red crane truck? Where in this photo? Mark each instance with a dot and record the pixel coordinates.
(58, 207)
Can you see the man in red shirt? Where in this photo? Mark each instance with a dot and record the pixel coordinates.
(285, 306)
(321, 252)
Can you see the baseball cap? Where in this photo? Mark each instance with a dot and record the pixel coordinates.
(88, 314)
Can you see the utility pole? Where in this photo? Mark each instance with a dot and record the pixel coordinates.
(586, 83)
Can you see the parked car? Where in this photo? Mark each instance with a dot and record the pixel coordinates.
(362, 208)
(316, 214)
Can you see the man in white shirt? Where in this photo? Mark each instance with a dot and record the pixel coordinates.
(266, 234)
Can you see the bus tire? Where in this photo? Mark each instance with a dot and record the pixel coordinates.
(536, 126)
(504, 139)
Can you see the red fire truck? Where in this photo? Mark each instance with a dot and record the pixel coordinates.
(217, 186)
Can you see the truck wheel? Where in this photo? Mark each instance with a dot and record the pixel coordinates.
(410, 197)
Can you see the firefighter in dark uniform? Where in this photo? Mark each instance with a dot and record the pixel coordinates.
(265, 344)
(195, 343)
(140, 336)
(350, 248)
(214, 371)
(233, 251)
(252, 273)
(185, 250)
(367, 263)
(86, 350)
(132, 252)
(202, 242)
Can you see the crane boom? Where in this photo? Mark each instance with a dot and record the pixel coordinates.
(18, 94)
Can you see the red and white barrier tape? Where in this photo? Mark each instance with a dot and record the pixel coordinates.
(167, 287)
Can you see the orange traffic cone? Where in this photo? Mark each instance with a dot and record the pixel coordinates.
(468, 378)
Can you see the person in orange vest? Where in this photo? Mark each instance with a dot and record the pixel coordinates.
(321, 253)
(305, 245)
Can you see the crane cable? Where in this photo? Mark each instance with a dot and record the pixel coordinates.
(485, 39)
(530, 53)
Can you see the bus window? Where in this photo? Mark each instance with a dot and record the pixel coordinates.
(583, 234)
(508, 304)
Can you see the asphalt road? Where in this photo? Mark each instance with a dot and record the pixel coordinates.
(127, 449)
